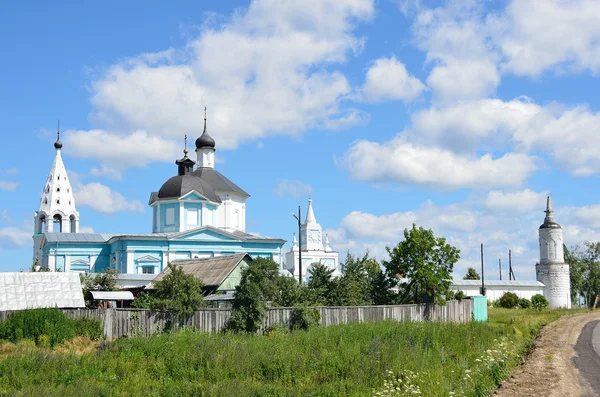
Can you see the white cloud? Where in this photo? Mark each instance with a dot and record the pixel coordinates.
(405, 163)
(12, 237)
(515, 202)
(588, 215)
(117, 152)
(569, 136)
(293, 188)
(86, 229)
(106, 172)
(102, 199)
(274, 61)
(538, 35)
(388, 79)
(8, 186)
(465, 79)
(455, 42)
(465, 125)
(11, 171)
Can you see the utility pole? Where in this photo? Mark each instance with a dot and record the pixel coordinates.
(500, 267)
(482, 276)
(299, 244)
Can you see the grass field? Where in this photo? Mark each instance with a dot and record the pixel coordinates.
(429, 359)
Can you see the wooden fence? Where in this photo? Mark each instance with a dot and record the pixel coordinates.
(130, 322)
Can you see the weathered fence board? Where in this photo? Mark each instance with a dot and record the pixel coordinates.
(130, 322)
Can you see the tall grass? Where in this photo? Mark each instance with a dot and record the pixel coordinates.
(345, 360)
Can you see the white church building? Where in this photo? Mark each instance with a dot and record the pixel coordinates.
(312, 248)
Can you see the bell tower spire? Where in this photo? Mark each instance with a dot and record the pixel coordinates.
(57, 212)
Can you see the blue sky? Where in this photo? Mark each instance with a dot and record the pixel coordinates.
(459, 116)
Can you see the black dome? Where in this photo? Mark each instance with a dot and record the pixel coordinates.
(58, 144)
(550, 225)
(181, 185)
(204, 141)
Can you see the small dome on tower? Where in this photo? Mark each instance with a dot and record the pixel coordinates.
(205, 140)
(58, 143)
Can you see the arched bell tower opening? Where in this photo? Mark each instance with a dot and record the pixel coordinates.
(41, 224)
(73, 224)
(57, 223)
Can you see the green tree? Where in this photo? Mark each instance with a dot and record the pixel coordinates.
(471, 274)
(177, 292)
(258, 285)
(576, 271)
(352, 288)
(539, 301)
(590, 259)
(289, 292)
(320, 284)
(508, 300)
(427, 261)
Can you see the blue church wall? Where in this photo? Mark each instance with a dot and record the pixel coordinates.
(102, 263)
(213, 213)
(141, 260)
(164, 208)
(196, 206)
(60, 263)
(155, 219)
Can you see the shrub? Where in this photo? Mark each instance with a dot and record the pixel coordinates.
(304, 318)
(88, 328)
(539, 301)
(459, 296)
(450, 295)
(31, 324)
(509, 300)
(524, 303)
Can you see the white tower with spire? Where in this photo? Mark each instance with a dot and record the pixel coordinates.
(552, 270)
(57, 212)
(205, 148)
(312, 247)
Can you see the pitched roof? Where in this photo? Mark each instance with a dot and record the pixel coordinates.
(212, 271)
(218, 181)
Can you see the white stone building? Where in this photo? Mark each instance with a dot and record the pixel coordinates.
(552, 270)
(312, 247)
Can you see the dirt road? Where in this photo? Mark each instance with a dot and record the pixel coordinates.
(550, 369)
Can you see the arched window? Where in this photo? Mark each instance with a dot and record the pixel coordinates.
(73, 224)
(57, 201)
(58, 177)
(48, 189)
(46, 200)
(41, 224)
(57, 223)
(58, 189)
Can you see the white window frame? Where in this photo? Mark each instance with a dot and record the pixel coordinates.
(192, 216)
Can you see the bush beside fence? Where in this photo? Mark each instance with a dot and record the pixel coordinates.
(117, 323)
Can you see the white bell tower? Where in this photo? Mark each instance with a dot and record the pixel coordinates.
(57, 212)
(552, 270)
(312, 232)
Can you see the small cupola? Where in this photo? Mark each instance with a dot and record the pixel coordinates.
(185, 166)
